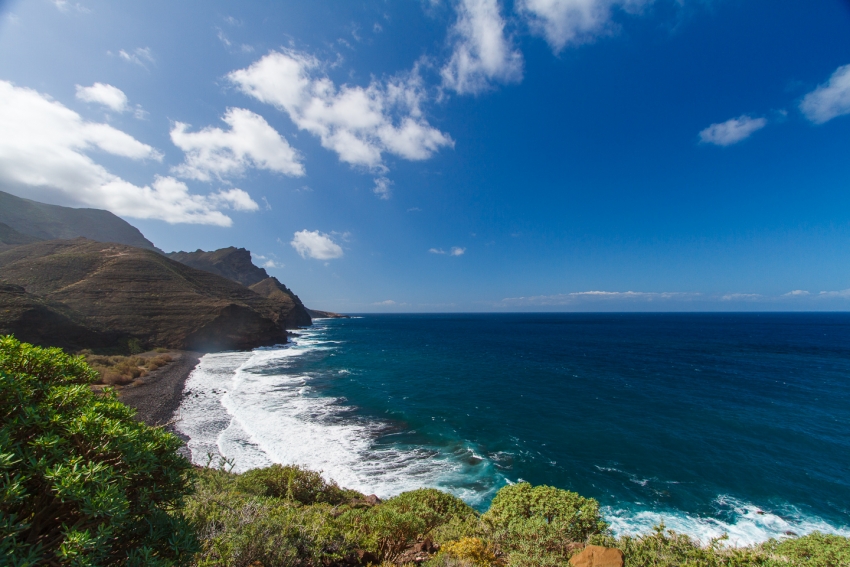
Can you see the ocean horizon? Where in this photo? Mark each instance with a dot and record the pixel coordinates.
(710, 423)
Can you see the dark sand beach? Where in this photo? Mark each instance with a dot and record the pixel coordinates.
(157, 396)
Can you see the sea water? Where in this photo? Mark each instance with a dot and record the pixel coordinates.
(709, 423)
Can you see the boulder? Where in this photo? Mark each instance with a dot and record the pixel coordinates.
(598, 556)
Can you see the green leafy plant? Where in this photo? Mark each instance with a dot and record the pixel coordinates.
(81, 481)
(292, 482)
(536, 525)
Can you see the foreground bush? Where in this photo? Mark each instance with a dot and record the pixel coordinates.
(82, 482)
(292, 482)
(536, 526)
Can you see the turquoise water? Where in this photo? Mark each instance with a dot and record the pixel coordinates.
(711, 423)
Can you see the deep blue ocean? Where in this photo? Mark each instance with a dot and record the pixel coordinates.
(710, 423)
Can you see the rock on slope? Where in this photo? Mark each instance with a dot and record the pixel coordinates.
(123, 291)
(236, 264)
(47, 222)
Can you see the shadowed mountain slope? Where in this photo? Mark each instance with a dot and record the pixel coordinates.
(236, 264)
(125, 291)
(47, 222)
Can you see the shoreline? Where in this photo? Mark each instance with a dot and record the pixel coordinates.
(157, 396)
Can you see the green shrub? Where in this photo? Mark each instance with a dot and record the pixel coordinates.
(471, 551)
(292, 482)
(239, 527)
(81, 481)
(666, 547)
(813, 550)
(535, 525)
(391, 527)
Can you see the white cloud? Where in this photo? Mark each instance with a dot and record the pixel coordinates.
(843, 294)
(357, 123)
(732, 131)
(139, 56)
(796, 293)
(482, 54)
(111, 97)
(250, 142)
(564, 22)
(741, 297)
(271, 264)
(316, 245)
(45, 144)
(829, 100)
(235, 199)
(382, 187)
(65, 6)
(385, 302)
(583, 296)
(454, 251)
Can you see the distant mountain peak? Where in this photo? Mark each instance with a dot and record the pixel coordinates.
(47, 222)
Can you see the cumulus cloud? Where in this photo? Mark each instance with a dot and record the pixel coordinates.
(829, 100)
(842, 294)
(482, 53)
(732, 131)
(564, 22)
(385, 302)
(436, 251)
(359, 124)
(316, 245)
(250, 142)
(45, 144)
(111, 97)
(797, 293)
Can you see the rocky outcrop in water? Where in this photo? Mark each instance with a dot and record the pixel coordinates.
(118, 293)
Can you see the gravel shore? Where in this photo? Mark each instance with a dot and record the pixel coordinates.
(157, 396)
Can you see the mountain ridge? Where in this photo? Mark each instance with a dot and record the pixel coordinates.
(49, 222)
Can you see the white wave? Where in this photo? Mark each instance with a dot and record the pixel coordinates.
(749, 524)
(257, 409)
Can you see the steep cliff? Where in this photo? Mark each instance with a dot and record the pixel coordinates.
(231, 263)
(236, 264)
(123, 291)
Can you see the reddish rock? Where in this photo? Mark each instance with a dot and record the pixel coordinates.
(372, 500)
(598, 556)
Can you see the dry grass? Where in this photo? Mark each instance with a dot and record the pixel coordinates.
(120, 370)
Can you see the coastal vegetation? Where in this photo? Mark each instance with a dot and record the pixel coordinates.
(83, 483)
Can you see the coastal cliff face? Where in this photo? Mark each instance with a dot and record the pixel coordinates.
(231, 263)
(46, 222)
(236, 264)
(117, 292)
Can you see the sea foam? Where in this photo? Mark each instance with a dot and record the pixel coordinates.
(257, 408)
(747, 524)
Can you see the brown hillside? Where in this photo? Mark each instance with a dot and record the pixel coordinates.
(138, 293)
(236, 264)
(231, 263)
(290, 311)
(35, 320)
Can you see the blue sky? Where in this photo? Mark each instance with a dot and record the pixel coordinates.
(465, 155)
